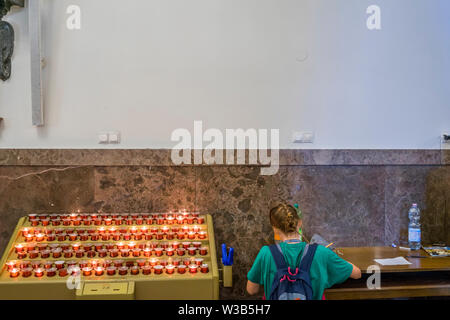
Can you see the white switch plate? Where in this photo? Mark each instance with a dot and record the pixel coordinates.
(114, 137)
(303, 137)
(103, 137)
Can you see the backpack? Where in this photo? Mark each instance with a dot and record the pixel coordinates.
(291, 284)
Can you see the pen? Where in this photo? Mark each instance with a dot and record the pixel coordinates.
(416, 257)
(329, 245)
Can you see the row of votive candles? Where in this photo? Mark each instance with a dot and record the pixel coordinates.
(113, 219)
(104, 234)
(50, 269)
(91, 250)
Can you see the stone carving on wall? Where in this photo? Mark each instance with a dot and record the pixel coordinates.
(6, 38)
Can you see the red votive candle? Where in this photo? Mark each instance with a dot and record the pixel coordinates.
(26, 272)
(186, 245)
(21, 255)
(163, 262)
(193, 268)
(159, 251)
(87, 246)
(56, 222)
(25, 264)
(124, 252)
(123, 271)
(39, 272)
(111, 270)
(97, 221)
(105, 236)
(181, 235)
(153, 262)
(134, 270)
(35, 264)
(61, 236)
(87, 221)
(160, 220)
(175, 262)
(158, 269)
(102, 253)
(138, 236)
(33, 254)
(66, 222)
(32, 216)
(195, 228)
(59, 264)
(19, 247)
(192, 250)
(45, 254)
(186, 262)
(146, 270)
(129, 221)
(63, 273)
(203, 251)
(90, 254)
(11, 265)
(34, 223)
(140, 262)
(87, 271)
(196, 244)
(170, 269)
(56, 253)
(144, 230)
(114, 253)
(51, 272)
(83, 264)
(98, 246)
(190, 220)
(116, 236)
(136, 252)
(68, 253)
(147, 252)
(84, 237)
(51, 237)
(126, 236)
(79, 253)
(154, 230)
(99, 271)
(129, 263)
(201, 220)
(181, 269)
(14, 272)
(202, 235)
(73, 236)
(29, 237)
(198, 261)
(170, 251)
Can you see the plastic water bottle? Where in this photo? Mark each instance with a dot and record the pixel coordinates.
(414, 227)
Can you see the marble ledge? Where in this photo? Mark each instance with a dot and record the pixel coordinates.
(162, 157)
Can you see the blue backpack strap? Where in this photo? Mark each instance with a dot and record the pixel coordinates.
(277, 255)
(307, 257)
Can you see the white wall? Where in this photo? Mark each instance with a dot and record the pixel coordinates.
(147, 67)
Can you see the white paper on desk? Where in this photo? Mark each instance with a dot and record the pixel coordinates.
(393, 261)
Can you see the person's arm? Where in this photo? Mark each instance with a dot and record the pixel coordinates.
(356, 272)
(252, 288)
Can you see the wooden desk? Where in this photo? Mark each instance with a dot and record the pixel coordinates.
(424, 277)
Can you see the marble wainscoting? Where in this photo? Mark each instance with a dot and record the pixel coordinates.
(348, 203)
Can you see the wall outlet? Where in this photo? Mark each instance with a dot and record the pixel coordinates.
(303, 137)
(103, 138)
(114, 137)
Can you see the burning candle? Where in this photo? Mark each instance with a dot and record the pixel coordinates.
(126, 236)
(25, 264)
(59, 264)
(111, 271)
(123, 271)
(39, 272)
(33, 254)
(79, 253)
(153, 262)
(159, 251)
(147, 252)
(68, 253)
(159, 236)
(21, 255)
(134, 270)
(113, 253)
(56, 253)
(203, 251)
(118, 221)
(195, 228)
(144, 230)
(186, 262)
(63, 273)
(29, 237)
(25, 231)
(191, 235)
(181, 269)
(76, 246)
(108, 221)
(51, 272)
(192, 250)
(201, 220)
(158, 269)
(198, 261)
(190, 219)
(140, 262)
(73, 236)
(26, 272)
(99, 271)
(193, 268)
(131, 245)
(108, 263)
(136, 252)
(19, 247)
(202, 235)
(170, 269)
(45, 254)
(138, 235)
(170, 251)
(101, 230)
(14, 272)
(160, 220)
(146, 270)
(154, 230)
(124, 252)
(87, 271)
(186, 245)
(148, 236)
(11, 265)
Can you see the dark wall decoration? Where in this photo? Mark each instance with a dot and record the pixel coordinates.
(6, 38)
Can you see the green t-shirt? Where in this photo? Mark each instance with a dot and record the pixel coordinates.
(327, 268)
